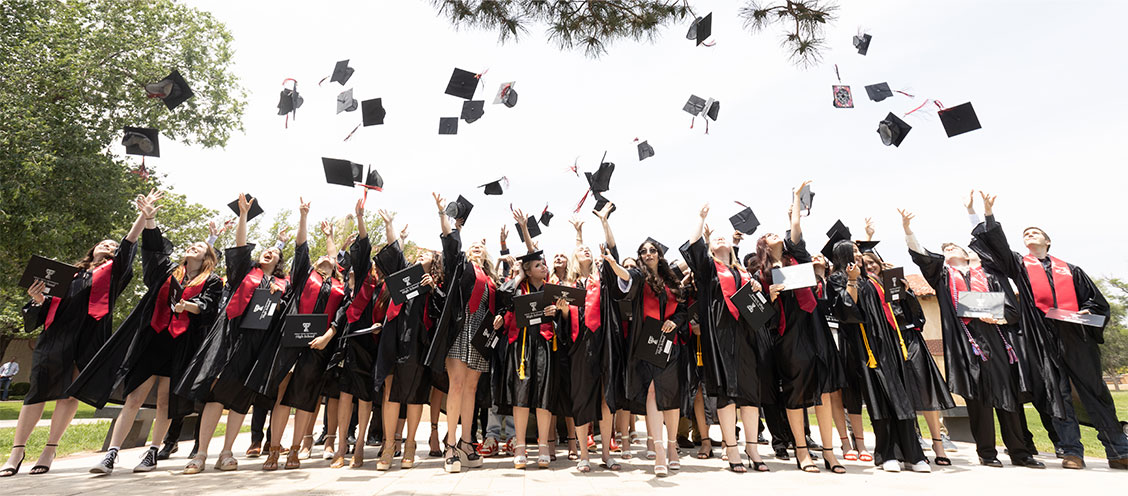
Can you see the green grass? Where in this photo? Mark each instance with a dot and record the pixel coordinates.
(10, 410)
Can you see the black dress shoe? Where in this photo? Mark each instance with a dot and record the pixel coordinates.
(992, 462)
(812, 444)
(1058, 452)
(167, 450)
(685, 443)
(1028, 462)
(781, 454)
(761, 439)
(320, 441)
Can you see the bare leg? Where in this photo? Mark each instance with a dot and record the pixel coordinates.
(622, 422)
(795, 420)
(344, 415)
(363, 414)
(750, 416)
(670, 417)
(469, 390)
(839, 413)
(606, 429)
(457, 373)
(726, 416)
(414, 417)
(544, 429)
(279, 416)
(654, 420)
(128, 412)
(389, 414)
(824, 414)
(859, 433)
(702, 425)
(303, 426)
(582, 433)
(932, 417)
(435, 410)
(209, 420)
(29, 416)
(234, 423)
(161, 423)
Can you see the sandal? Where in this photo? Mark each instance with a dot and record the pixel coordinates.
(522, 460)
(584, 466)
(305, 452)
(40, 468)
(452, 463)
(338, 462)
(810, 469)
(625, 447)
(757, 466)
(836, 468)
(661, 471)
(468, 454)
(610, 464)
(254, 451)
(327, 452)
(293, 460)
(650, 454)
(848, 452)
(674, 465)
(357, 459)
(226, 462)
(386, 455)
(271, 462)
(863, 455)
(10, 471)
(706, 451)
(737, 467)
(434, 442)
(408, 460)
(196, 464)
(543, 459)
(942, 461)
(573, 453)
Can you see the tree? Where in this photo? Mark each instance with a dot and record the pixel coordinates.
(71, 77)
(593, 25)
(1114, 351)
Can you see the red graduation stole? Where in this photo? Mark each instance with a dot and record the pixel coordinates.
(312, 290)
(427, 321)
(163, 316)
(1040, 284)
(592, 317)
(729, 285)
(545, 328)
(650, 304)
(362, 299)
(100, 291)
(482, 283)
(393, 307)
(978, 283)
(246, 290)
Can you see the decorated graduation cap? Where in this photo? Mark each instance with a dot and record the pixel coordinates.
(448, 125)
(862, 42)
(893, 130)
(506, 94)
(172, 90)
(459, 209)
(745, 220)
(372, 112)
(142, 141)
(838, 232)
(497, 187)
(701, 29)
(843, 98)
(545, 216)
(462, 84)
(534, 228)
(289, 100)
(346, 102)
(878, 92)
(341, 72)
(959, 119)
(254, 211)
(531, 257)
(645, 151)
(473, 110)
(661, 247)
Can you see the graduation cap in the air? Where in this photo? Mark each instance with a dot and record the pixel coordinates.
(341, 72)
(142, 141)
(372, 112)
(462, 84)
(842, 96)
(893, 130)
(695, 105)
(661, 247)
(289, 101)
(745, 220)
(342, 172)
(473, 110)
(602, 201)
(878, 92)
(254, 211)
(701, 29)
(531, 257)
(600, 180)
(645, 151)
(838, 232)
(506, 94)
(345, 101)
(545, 216)
(173, 90)
(459, 209)
(448, 125)
(862, 42)
(959, 119)
(496, 187)
(806, 198)
(534, 229)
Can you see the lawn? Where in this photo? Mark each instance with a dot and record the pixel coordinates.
(10, 410)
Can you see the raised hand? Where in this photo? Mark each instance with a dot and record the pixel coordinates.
(970, 203)
(359, 208)
(35, 291)
(245, 203)
(869, 229)
(349, 241)
(519, 216)
(504, 234)
(853, 270)
(439, 202)
(906, 219)
(737, 237)
(707, 232)
(603, 213)
(988, 203)
(386, 216)
(800, 189)
(213, 230)
(577, 224)
(327, 228)
(403, 232)
(303, 207)
(284, 235)
(704, 211)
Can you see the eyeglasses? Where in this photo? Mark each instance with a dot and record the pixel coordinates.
(649, 250)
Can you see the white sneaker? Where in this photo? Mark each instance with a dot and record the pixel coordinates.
(922, 466)
(891, 466)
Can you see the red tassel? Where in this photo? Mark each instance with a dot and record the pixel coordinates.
(351, 132)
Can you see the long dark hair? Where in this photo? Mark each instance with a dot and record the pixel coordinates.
(662, 278)
(280, 267)
(87, 261)
(763, 259)
(842, 255)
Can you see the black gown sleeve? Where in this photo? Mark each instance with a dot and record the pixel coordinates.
(797, 250)
(301, 268)
(122, 270)
(208, 299)
(1089, 297)
(360, 252)
(452, 251)
(239, 263)
(931, 267)
(155, 264)
(990, 242)
(840, 302)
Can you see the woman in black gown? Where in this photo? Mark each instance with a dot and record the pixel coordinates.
(75, 326)
(805, 357)
(729, 345)
(218, 374)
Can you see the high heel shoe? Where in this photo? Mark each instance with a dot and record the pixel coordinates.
(543, 459)
(674, 465)
(520, 461)
(625, 447)
(942, 461)
(848, 452)
(469, 455)
(737, 467)
(836, 468)
(408, 460)
(452, 463)
(329, 451)
(433, 442)
(386, 455)
(757, 466)
(863, 456)
(810, 469)
(10, 471)
(573, 453)
(42, 469)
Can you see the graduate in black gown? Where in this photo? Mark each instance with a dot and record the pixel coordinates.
(856, 300)
(655, 294)
(730, 353)
(153, 345)
(1047, 283)
(218, 374)
(75, 327)
(805, 356)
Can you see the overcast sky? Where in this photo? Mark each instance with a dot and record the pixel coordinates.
(1046, 82)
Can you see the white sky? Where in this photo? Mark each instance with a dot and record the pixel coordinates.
(1045, 77)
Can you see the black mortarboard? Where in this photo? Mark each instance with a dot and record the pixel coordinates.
(506, 94)
(878, 92)
(341, 72)
(496, 187)
(374, 180)
(545, 216)
(837, 232)
(531, 257)
(173, 90)
(645, 151)
(252, 213)
(534, 229)
(289, 100)
(861, 42)
(842, 96)
(959, 119)
(695, 105)
(462, 84)
(866, 246)
(806, 198)
(345, 101)
(712, 109)
(600, 180)
(459, 209)
(893, 130)
(745, 221)
(701, 29)
(448, 125)
(372, 112)
(472, 110)
(601, 201)
(342, 172)
(661, 247)
(142, 141)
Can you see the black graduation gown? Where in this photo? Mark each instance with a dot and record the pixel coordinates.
(533, 354)
(220, 370)
(353, 365)
(135, 351)
(74, 337)
(590, 356)
(669, 381)
(730, 347)
(883, 387)
(806, 360)
(929, 391)
(995, 381)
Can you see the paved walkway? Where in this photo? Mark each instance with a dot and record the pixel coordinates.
(498, 478)
(11, 424)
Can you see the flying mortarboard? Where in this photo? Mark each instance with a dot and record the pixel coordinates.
(695, 105)
(289, 101)
(462, 84)
(862, 42)
(806, 198)
(959, 119)
(600, 180)
(838, 232)
(701, 29)
(142, 141)
(661, 247)
(506, 94)
(893, 130)
(173, 90)
(345, 101)
(745, 220)
(342, 172)
(341, 72)
(842, 96)
(878, 92)
(374, 180)
(545, 216)
(601, 201)
(459, 209)
(712, 109)
(254, 211)
(448, 125)
(534, 229)
(496, 187)
(473, 110)
(372, 112)
(645, 151)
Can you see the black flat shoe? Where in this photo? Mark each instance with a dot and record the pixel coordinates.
(1029, 462)
(993, 462)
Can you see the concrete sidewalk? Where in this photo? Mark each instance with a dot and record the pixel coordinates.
(498, 477)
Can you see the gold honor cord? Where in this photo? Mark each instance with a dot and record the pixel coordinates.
(700, 362)
(871, 362)
(521, 367)
(904, 350)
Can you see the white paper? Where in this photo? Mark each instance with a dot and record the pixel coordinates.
(795, 276)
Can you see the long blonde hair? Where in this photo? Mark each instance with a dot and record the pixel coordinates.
(574, 265)
(206, 268)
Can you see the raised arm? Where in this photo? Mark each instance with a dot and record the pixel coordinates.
(615, 267)
(330, 243)
(910, 238)
(362, 231)
(608, 237)
(522, 223)
(146, 210)
(869, 229)
(796, 230)
(443, 220)
(241, 227)
(699, 229)
(303, 215)
(389, 230)
(579, 226)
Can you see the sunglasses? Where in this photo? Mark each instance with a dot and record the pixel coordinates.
(649, 250)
